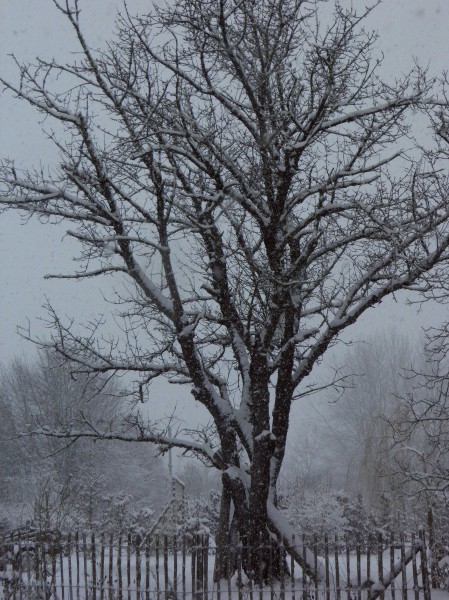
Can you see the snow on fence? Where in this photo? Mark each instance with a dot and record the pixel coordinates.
(86, 566)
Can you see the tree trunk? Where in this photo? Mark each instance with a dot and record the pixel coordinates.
(225, 556)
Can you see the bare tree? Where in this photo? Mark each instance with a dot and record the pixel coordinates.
(242, 168)
(60, 484)
(421, 434)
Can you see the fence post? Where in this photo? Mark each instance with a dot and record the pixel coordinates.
(337, 568)
(348, 568)
(206, 566)
(415, 568)
(392, 585)
(380, 565)
(359, 567)
(102, 576)
(403, 568)
(424, 567)
(326, 565)
(86, 585)
(94, 566)
(166, 577)
(368, 565)
(137, 542)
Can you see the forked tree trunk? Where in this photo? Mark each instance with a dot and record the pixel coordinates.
(240, 524)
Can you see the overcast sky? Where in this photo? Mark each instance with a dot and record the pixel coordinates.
(408, 29)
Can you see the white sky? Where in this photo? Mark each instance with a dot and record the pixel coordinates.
(407, 28)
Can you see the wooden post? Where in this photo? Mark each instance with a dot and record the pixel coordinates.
(199, 567)
(380, 565)
(392, 585)
(138, 567)
(94, 566)
(348, 569)
(368, 565)
(166, 577)
(425, 567)
(292, 571)
(239, 571)
(183, 567)
(326, 566)
(252, 574)
(158, 589)
(193, 570)
(59, 549)
(403, 569)
(69, 566)
(53, 573)
(29, 567)
(147, 569)
(206, 568)
(281, 567)
(337, 569)
(111, 568)
(128, 565)
(102, 576)
(359, 568)
(86, 584)
(305, 592)
(175, 566)
(415, 568)
(119, 568)
(77, 562)
(22, 552)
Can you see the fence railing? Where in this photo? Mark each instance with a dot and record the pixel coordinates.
(87, 566)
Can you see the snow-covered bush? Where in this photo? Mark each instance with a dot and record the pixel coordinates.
(317, 511)
(120, 516)
(200, 517)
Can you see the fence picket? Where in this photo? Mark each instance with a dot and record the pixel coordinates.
(183, 568)
(86, 587)
(147, 569)
(305, 592)
(281, 567)
(326, 566)
(292, 571)
(415, 569)
(69, 565)
(77, 558)
(93, 558)
(348, 569)
(175, 566)
(403, 566)
(359, 568)
(424, 567)
(61, 562)
(368, 566)
(380, 565)
(137, 542)
(119, 568)
(206, 568)
(392, 586)
(166, 577)
(128, 565)
(158, 588)
(111, 567)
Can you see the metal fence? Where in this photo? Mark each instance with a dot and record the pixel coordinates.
(48, 565)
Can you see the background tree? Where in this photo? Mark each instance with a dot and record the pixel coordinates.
(65, 485)
(242, 168)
